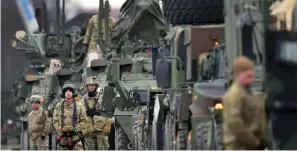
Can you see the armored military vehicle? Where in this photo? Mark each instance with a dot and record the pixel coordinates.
(140, 114)
(179, 109)
(167, 122)
(131, 66)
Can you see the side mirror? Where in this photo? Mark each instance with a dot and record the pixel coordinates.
(20, 34)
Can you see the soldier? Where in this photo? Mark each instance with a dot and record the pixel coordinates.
(98, 126)
(39, 125)
(69, 120)
(91, 37)
(242, 121)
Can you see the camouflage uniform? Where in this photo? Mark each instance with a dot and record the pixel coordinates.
(98, 126)
(243, 123)
(68, 127)
(39, 126)
(92, 33)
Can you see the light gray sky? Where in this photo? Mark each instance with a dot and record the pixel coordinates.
(95, 3)
(74, 7)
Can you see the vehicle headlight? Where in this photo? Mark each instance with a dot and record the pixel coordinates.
(218, 106)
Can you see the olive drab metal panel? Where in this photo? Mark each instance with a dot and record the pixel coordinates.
(187, 43)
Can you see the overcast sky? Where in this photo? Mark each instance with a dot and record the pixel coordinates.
(95, 3)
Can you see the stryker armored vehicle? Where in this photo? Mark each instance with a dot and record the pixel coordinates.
(181, 114)
(135, 39)
(200, 129)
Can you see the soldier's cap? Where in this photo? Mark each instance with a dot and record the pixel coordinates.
(92, 80)
(241, 64)
(36, 99)
(68, 86)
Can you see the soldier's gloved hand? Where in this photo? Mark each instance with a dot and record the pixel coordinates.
(107, 127)
(112, 119)
(90, 112)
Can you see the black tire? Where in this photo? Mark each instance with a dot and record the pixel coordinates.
(121, 139)
(201, 137)
(181, 140)
(219, 137)
(194, 12)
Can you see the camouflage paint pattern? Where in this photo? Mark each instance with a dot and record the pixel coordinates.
(91, 36)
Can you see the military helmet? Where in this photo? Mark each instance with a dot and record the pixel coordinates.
(68, 86)
(92, 80)
(35, 99)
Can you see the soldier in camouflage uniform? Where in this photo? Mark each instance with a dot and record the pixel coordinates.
(98, 126)
(69, 120)
(39, 125)
(243, 125)
(91, 37)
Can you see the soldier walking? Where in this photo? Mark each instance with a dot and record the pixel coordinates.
(243, 125)
(39, 125)
(98, 126)
(69, 120)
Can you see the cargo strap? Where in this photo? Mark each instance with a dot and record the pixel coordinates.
(74, 115)
(70, 144)
(88, 109)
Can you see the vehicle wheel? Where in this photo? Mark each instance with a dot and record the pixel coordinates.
(181, 140)
(137, 135)
(201, 137)
(195, 12)
(219, 137)
(121, 140)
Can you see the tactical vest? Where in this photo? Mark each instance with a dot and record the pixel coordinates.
(74, 115)
(87, 105)
(88, 109)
